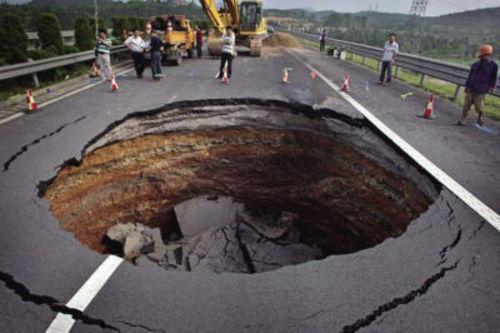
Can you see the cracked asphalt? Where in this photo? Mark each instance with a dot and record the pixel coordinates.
(441, 275)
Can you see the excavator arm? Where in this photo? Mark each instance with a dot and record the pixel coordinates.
(234, 11)
(210, 8)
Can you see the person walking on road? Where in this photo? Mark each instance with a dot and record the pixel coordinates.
(137, 46)
(102, 51)
(322, 40)
(156, 47)
(228, 52)
(391, 50)
(199, 42)
(482, 80)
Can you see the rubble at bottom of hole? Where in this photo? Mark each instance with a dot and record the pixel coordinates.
(246, 245)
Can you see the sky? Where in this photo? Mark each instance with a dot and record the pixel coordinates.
(435, 7)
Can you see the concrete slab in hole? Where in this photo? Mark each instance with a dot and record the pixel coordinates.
(201, 213)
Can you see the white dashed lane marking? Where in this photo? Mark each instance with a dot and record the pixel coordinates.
(63, 322)
(85, 295)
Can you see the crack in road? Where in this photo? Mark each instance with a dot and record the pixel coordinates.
(478, 229)
(449, 247)
(25, 148)
(25, 294)
(144, 327)
(472, 268)
(394, 303)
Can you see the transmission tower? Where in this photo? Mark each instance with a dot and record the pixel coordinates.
(419, 7)
(417, 11)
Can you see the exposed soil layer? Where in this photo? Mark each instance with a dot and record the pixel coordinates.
(347, 187)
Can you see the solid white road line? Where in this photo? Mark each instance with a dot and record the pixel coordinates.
(83, 297)
(470, 200)
(57, 99)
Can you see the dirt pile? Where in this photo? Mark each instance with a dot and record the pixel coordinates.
(281, 39)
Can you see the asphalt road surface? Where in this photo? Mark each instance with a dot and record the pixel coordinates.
(441, 275)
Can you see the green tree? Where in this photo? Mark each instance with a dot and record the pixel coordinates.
(100, 24)
(84, 35)
(14, 40)
(119, 23)
(139, 23)
(49, 32)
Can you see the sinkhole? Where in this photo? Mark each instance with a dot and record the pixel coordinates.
(242, 186)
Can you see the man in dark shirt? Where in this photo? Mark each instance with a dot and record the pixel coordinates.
(322, 40)
(156, 46)
(199, 42)
(482, 80)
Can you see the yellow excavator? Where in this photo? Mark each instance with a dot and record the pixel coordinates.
(245, 19)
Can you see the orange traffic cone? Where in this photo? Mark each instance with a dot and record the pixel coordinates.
(114, 84)
(345, 86)
(429, 110)
(32, 106)
(95, 71)
(285, 75)
(314, 75)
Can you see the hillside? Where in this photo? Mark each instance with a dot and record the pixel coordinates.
(68, 10)
(473, 24)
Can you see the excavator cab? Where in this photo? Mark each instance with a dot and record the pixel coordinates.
(250, 15)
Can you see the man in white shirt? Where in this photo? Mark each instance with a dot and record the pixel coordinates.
(137, 46)
(391, 50)
(228, 52)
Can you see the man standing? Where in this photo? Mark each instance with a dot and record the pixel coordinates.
(102, 50)
(199, 41)
(391, 49)
(322, 40)
(156, 46)
(136, 46)
(482, 80)
(228, 52)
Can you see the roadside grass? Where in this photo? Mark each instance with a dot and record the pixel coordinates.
(435, 86)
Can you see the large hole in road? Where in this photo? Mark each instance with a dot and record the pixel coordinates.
(242, 186)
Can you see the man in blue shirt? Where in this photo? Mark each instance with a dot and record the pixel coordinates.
(156, 46)
(482, 80)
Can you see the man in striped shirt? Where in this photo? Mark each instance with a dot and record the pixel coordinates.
(228, 52)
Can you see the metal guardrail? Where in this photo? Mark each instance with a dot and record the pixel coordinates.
(449, 72)
(33, 67)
